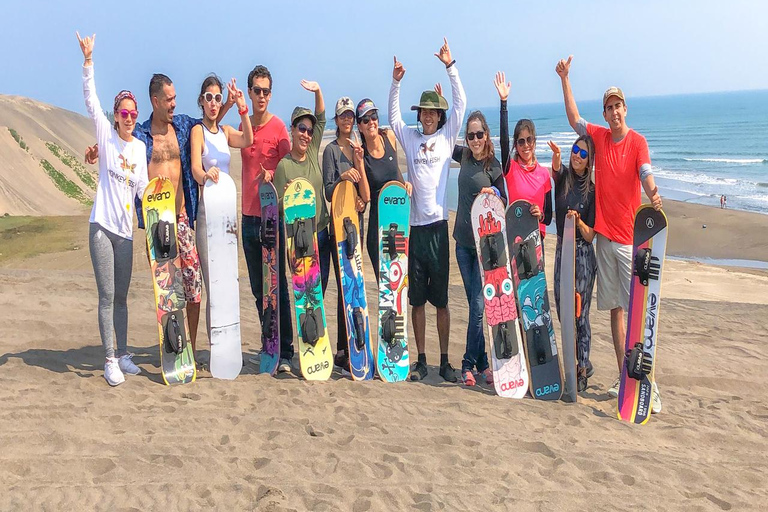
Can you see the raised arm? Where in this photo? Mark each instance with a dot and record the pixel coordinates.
(395, 117)
(557, 162)
(315, 88)
(453, 123)
(92, 103)
(571, 110)
(502, 87)
(235, 137)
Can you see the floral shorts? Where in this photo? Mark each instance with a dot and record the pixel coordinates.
(190, 261)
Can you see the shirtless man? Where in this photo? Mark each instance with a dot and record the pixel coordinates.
(166, 136)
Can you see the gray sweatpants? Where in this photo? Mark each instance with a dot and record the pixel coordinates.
(112, 258)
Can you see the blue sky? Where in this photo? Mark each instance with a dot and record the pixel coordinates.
(648, 48)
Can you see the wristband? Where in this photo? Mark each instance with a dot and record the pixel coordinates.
(244, 111)
(451, 64)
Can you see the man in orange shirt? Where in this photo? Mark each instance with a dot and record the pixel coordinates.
(622, 165)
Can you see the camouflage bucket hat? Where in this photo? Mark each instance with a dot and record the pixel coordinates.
(430, 99)
(299, 112)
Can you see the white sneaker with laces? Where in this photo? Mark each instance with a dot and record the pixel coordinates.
(285, 366)
(613, 391)
(127, 366)
(112, 372)
(656, 404)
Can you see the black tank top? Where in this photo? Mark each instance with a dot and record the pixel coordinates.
(381, 170)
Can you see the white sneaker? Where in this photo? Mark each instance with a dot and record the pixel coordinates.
(613, 391)
(285, 366)
(656, 404)
(112, 372)
(127, 366)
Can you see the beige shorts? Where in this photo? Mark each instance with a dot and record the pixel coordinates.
(614, 274)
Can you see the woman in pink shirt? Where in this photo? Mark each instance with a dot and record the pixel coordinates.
(524, 177)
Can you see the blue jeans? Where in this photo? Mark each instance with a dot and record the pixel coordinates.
(475, 355)
(251, 228)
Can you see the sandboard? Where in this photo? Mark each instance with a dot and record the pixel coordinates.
(510, 374)
(346, 226)
(223, 282)
(315, 355)
(567, 311)
(270, 252)
(649, 249)
(159, 211)
(527, 256)
(394, 230)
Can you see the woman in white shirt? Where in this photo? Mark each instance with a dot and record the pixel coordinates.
(122, 176)
(209, 144)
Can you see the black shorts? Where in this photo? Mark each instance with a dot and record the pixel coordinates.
(428, 265)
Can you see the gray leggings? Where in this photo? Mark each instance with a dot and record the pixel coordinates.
(112, 258)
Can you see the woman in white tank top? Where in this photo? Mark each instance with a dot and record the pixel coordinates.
(210, 143)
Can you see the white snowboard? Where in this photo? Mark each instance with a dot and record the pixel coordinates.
(223, 292)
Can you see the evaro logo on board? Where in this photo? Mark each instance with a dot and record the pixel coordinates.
(159, 196)
(394, 200)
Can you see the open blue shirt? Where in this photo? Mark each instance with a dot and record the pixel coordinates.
(183, 125)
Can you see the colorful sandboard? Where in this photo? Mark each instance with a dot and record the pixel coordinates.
(394, 231)
(315, 355)
(510, 374)
(159, 211)
(533, 302)
(270, 252)
(637, 373)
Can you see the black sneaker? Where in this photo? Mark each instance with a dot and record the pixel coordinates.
(590, 370)
(582, 381)
(418, 371)
(447, 372)
(341, 360)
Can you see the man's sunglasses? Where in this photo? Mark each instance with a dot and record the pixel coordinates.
(369, 117)
(527, 140)
(471, 135)
(261, 91)
(578, 151)
(209, 97)
(124, 113)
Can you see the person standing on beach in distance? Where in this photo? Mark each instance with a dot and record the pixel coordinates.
(166, 136)
(722, 202)
(428, 154)
(480, 173)
(622, 164)
(524, 177)
(575, 197)
(122, 177)
(302, 162)
(381, 167)
(343, 160)
(210, 155)
(260, 159)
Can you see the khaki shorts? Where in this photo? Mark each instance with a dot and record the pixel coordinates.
(614, 274)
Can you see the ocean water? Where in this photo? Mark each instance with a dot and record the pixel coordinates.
(702, 146)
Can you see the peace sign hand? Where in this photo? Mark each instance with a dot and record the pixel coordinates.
(444, 54)
(502, 86)
(563, 67)
(86, 45)
(398, 71)
(439, 88)
(357, 149)
(555, 148)
(235, 95)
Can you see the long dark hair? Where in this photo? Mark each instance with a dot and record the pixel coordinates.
(570, 176)
(486, 155)
(519, 127)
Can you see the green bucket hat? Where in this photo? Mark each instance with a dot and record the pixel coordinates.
(303, 112)
(430, 99)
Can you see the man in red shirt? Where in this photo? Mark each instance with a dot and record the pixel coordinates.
(622, 165)
(270, 145)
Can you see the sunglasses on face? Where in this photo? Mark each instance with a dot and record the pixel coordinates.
(369, 117)
(578, 151)
(479, 134)
(304, 129)
(261, 91)
(347, 115)
(124, 113)
(527, 140)
(210, 97)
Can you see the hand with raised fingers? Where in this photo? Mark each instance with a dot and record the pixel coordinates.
(444, 54)
(563, 67)
(439, 88)
(86, 45)
(310, 86)
(556, 155)
(398, 71)
(92, 154)
(236, 94)
(502, 86)
(357, 149)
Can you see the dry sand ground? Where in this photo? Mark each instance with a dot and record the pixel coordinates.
(70, 441)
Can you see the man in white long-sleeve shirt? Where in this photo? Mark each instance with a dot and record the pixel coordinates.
(428, 154)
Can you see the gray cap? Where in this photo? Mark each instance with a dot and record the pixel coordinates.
(344, 105)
